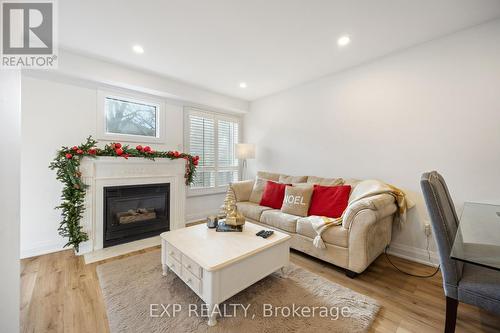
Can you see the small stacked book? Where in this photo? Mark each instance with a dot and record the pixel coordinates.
(223, 227)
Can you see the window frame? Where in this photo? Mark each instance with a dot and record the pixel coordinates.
(216, 117)
(133, 98)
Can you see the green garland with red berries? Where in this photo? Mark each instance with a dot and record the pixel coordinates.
(67, 164)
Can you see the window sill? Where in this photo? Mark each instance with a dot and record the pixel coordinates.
(114, 137)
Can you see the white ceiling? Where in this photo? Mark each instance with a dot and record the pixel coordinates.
(269, 44)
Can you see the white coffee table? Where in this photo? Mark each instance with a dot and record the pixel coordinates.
(218, 265)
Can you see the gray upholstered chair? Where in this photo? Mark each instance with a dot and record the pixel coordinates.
(462, 282)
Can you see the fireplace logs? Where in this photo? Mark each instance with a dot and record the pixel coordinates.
(140, 214)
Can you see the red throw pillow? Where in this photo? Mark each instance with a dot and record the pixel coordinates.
(273, 195)
(329, 201)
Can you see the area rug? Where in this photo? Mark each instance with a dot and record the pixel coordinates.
(139, 299)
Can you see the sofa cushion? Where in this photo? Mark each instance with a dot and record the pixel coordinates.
(351, 181)
(330, 201)
(257, 190)
(251, 210)
(292, 179)
(273, 195)
(325, 181)
(280, 220)
(268, 175)
(336, 235)
(297, 200)
(242, 189)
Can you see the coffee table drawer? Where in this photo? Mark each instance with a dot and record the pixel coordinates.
(174, 265)
(173, 252)
(192, 266)
(192, 281)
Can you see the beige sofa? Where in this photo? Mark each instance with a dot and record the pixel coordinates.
(365, 231)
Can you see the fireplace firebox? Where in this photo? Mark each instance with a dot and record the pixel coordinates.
(134, 212)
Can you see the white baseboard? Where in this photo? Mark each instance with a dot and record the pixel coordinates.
(413, 254)
(43, 248)
(46, 247)
(190, 218)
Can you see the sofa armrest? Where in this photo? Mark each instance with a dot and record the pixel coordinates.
(369, 224)
(368, 237)
(242, 189)
(382, 206)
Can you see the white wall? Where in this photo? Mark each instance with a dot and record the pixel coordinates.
(59, 111)
(10, 144)
(434, 106)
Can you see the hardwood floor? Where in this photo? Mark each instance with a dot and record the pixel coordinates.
(59, 293)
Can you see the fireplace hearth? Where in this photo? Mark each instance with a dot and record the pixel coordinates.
(134, 212)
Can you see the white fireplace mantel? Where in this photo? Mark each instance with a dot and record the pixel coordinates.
(101, 172)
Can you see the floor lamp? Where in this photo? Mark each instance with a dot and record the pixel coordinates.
(244, 152)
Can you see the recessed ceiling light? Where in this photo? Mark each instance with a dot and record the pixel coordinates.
(243, 84)
(138, 49)
(343, 40)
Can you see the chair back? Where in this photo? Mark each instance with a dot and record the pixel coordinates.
(444, 223)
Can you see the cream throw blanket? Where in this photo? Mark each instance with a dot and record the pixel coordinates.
(363, 189)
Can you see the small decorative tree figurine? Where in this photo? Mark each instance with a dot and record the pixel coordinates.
(230, 210)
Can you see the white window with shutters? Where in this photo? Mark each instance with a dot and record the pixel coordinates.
(213, 137)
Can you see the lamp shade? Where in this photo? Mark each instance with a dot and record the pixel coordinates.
(245, 151)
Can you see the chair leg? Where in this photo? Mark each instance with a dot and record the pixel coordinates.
(451, 315)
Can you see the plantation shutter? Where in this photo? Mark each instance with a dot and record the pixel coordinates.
(213, 138)
(227, 162)
(202, 143)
